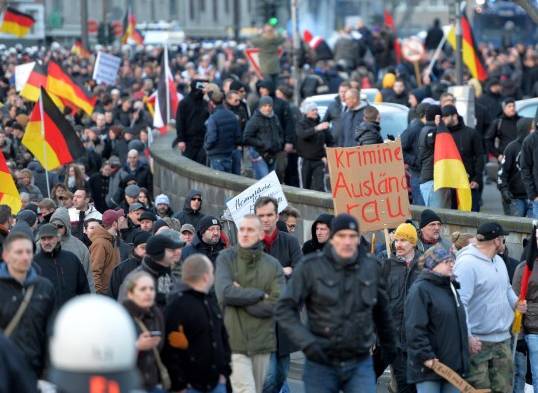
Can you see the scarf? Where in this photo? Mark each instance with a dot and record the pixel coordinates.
(268, 240)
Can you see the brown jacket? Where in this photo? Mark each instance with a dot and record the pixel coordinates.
(530, 319)
(104, 256)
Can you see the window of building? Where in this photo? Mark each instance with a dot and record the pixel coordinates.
(192, 12)
(215, 10)
(202, 5)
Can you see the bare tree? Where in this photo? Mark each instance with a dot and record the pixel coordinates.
(530, 8)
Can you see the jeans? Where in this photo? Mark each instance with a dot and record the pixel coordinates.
(220, 388)
(436, 387)
(399, 370)
(520, 371)
(221, 164)
(260, 167)
(534, 209)
(532, 345)
(348, 377)
(237, 158)
(277, 374)
(415, 189)
(521, 207)
(442, 198)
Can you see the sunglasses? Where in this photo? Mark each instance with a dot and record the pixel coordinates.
(196, 199)
(59, 226)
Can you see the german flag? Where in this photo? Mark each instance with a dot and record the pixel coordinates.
(61, 84)
(470, 55)
(29, 78)
(448, 169)
(80, 50)
(9, 194)
(130, 33)
(50, 137)
(16, 23)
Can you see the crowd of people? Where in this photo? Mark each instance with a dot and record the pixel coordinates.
(213, 315)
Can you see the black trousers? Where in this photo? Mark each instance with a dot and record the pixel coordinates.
(399, 367)
(196, 153)
(311, 174)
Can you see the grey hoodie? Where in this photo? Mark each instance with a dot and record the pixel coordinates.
(486, 293)
(72, 244)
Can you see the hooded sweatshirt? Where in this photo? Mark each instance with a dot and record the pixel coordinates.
(72, 244)
(486, 293)
(313, 245)
(188, 215)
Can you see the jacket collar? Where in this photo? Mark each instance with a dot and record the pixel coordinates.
(31, 276)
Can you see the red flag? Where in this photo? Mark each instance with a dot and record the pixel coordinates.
(389, 22)
(166, 99)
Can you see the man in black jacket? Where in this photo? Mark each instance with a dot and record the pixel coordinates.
(369, 131)
(190, 123)
(410, 149)
(346, 303)
(286, 249)
(529, 169)
(336, 109)
(503, 128)
(207, 240)
(192, 209)
(509, 180)
(312, 138)
(321, 229)
(195, 330)
(470, 147)
(62, 268)
(17, 276)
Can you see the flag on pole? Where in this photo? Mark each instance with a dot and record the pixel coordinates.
(29, 78)
(166, 99)
(448, 169)
(50, 137)
(470, 55)
(320, 47)
(80, 50)
(389, 22)
(130, 34)
(9, 194)
(16, 23)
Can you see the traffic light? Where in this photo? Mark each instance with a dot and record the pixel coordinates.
(268, 10)
(105, 34)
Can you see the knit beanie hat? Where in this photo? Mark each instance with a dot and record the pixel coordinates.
(432, 111)
(344, 221)
(265, 100)
(406, 232)
(427, 217)
(207, 222)
(435, 255)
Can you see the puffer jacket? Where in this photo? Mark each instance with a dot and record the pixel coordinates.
(31, 334)
(223, 133)
(368, 133)
(248, 314)
(188, 215)
(265, 134)
(346, 304)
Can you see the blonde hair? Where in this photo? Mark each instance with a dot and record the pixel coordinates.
(130, 282)
(461, 239)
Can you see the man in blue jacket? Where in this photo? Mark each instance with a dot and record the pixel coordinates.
(223, 135)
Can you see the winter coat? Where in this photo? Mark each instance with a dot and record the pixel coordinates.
(424, 246)
(530, 318)
(191, 117)
(410, 145)
(426, 144)
(120, 272)
(198, 246)
(104, 257)
(31, 334)
(223, 133)
(346, 304)
(433, 38)
(64, 270)
(146, 362)
(77, 218)
(142, 175)
(40, 178)
(14, 373)
(368, 133)
(509, 175)
(265, 134)
(72, 244)
(470, 148)
(115, 147)
(311, 143)
(504, 128)
(435, 327)
(32, 190)
(165, 281)
(491, 101)
(402, 99)
(99, 186)
(188, 215)
(242, 114)
(269, 60)
(529, 165)
(248, 313)
(333, 115)
(349, 122)
(204, 354)
(313, 245)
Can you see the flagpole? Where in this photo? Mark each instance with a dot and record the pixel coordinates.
(436, 54)
(165, 65)
(42, 115)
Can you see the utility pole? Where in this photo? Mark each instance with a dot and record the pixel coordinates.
(296, 48)
(459, 45)
(84, 24)
(237, 19)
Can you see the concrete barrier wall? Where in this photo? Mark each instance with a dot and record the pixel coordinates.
(175, 175)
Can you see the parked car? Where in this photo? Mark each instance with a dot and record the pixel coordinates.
(527, 108)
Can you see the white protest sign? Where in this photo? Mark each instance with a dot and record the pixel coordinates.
(243, 203)
(106, 68)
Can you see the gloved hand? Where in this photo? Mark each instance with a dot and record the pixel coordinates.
(391, 137)
(315, 353)
(506, 196)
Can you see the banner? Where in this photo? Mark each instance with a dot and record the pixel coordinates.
(243, 203)
(369, 183)
(106, 68)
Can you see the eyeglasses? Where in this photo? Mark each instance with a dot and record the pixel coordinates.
(196, 199)
(59, 226)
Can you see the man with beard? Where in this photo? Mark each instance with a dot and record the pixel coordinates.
(162, 206)
(470, 147)
(207, 240)
(190, 123)
(321, 230)
(62, 268)
(400, 271)
(430, 231)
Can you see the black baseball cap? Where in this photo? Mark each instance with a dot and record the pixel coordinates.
(156, 245)
(490, 231)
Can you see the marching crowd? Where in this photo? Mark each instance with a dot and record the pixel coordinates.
(214, 316)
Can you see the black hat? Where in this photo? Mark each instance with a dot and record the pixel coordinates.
(157, 244)
(159, 224)
(236, 85)
(146, 215)
(344, 221)
(27, 215)
(206, 222)
(428, 216)
(490, 231)
(449, 110)
(432, 111)
(141, 237)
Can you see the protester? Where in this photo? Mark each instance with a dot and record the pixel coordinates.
(187, 233)
(430, 231)
(290, 217)
(207, 241)
(81, 211)
(321, 229)
(162, 206)
(192, 209)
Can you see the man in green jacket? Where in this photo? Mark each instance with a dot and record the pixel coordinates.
(268, 43)
(248, 284)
